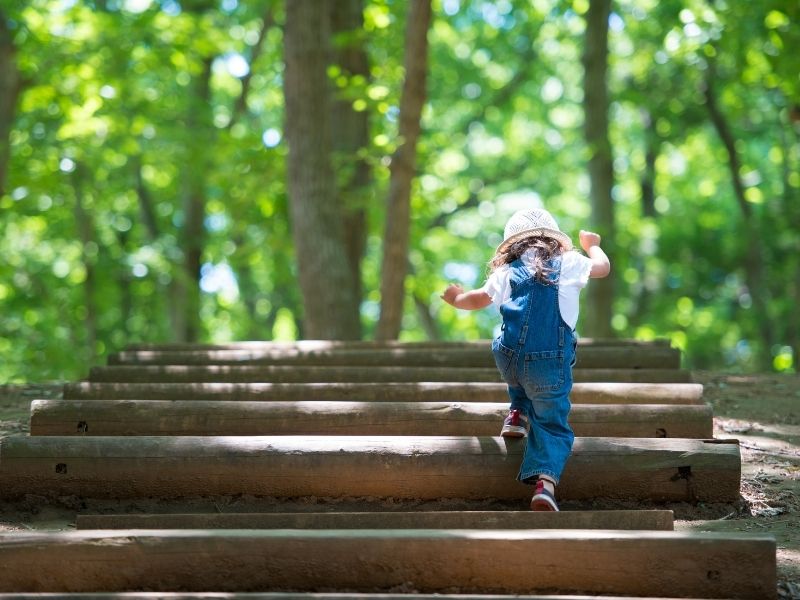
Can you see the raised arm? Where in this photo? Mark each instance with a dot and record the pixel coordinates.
(590, 242)
(472, 300)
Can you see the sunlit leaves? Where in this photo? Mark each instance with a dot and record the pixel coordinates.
(106, 114)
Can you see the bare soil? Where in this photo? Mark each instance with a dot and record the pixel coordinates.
(761, 411)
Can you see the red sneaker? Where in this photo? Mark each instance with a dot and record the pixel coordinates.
(542, 499)
(516, 425)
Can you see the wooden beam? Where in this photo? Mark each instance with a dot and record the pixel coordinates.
(582, 393)
(654, 520)
(394, 466)
(622, 357)
(301, 596)
(307, 345)
(305, 374)
(187, 417)
(590, 562)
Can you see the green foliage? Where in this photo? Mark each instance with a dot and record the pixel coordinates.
(110, 128)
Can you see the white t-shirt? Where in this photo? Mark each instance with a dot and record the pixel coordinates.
(575, 269)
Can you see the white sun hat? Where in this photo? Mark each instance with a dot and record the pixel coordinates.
(532, 222)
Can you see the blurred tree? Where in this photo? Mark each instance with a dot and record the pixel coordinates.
(329, 293)
(126, 111)
(196, 162)
(600, 295)
(403, 168)
(751, 253)
(350, 130)
(10, 88)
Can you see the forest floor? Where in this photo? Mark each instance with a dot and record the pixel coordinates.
(761, 411)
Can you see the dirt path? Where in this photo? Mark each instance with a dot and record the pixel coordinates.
(761, 411)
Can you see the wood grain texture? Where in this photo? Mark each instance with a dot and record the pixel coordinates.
(186, 417)
(342, 374)
(381, 466)
(630, 357)
(656, 520)
(582, 393)
(326, 345)
(604, 561)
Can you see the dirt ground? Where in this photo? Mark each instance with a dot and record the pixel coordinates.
(761, 411)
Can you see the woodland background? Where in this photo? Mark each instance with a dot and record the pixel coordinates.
(214, 170)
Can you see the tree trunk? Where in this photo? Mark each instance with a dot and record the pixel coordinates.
(648, 178)
(169, 293)
(403, 166)
(600, 296)
(85, 227)
(330, 302)
(790, 199)
(186, 290)
(350, 135)
(124, 284)
(10, 87)
(147, 209)
(426, 319)
(240, 105)
(753, 259)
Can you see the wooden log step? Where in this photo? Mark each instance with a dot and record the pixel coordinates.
(655, 520)
(311, 596)
(358, 466)
(187, 417)
(305, 374)
(306, 345)
(582, 393)
(636, 563)
(303, 596)
(623, 357)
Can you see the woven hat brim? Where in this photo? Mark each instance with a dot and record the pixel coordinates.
(562, 237)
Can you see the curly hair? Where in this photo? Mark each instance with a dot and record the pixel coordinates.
(545, 249)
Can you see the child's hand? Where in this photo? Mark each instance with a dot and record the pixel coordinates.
(588, 239)
(590, 242)
(451, 293)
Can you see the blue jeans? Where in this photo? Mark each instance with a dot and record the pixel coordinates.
(535, 353)
(539, 388)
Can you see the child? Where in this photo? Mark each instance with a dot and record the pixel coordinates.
(535, 281)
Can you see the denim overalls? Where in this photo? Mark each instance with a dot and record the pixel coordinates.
(535, 352)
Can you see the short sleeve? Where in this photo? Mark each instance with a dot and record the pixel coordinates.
(497, 285)
(575, 269)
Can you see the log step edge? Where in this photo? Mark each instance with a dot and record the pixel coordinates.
(667, 469)
(655, 520)
(704, 565)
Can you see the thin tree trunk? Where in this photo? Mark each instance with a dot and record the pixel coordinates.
(10, 88)
(426, 319)
(85, 226)
(600, 295)
(350, 135)
(331, 308)
(186, 313)
(648, 178)
(240, 106)
(248, 291)
(146, 206)
(647, 183)
(403, 167)
(791, 209)
(124, 283)
(753, 258)
(147, 216)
